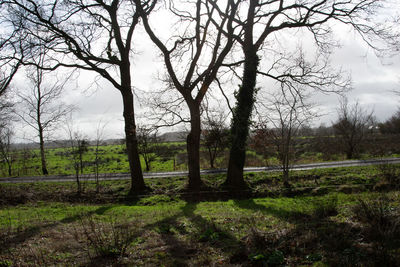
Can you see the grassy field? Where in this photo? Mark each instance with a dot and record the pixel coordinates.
(113, 159)
(331, 217)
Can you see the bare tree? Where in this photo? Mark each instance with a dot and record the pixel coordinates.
(82, 148)
(215, 136)
(94, 36)
(192, 60)
(97, 152)
(148, 144)
(6, 135)
(283, 115)
(42, 109)
(261, 21)
(25, 159)
(77, 146)
(352, 126)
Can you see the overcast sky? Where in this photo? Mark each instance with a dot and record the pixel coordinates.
(373, 81)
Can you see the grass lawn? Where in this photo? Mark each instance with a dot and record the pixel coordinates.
(47, 224)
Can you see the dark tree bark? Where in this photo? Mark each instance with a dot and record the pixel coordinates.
(42, 152)
(137, 184)
(244, 105)
(193, 148)
(39, 123)
(5, 147)
(241, 120)
(5, 79)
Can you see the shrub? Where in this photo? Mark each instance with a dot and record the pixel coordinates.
(256, 238)
(390, 172)
(276, 258)
(379, 215)
(106, 239)
(325, 207)
(382, 221)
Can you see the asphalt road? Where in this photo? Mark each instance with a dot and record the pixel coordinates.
(125, 176)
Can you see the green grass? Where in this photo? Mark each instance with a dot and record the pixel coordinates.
(155, 208)
(212, 232)
(47, 224)
(44, 224)
(114, 159)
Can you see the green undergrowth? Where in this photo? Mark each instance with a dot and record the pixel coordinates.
(309, 182)
(329, 217)
(154, 208)
(169, 230)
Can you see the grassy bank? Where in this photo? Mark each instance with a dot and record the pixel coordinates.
(333, 217)
(319, 230)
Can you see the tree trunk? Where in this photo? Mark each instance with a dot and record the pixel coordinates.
(9, 169)
(285, 171)
(43, 157)
(349, 154)
(81, 161)
(193, 149)
(137, 182)
(96, 170)
(241, 121)
(41, 144)
(212, 158)
(286, 159)
(351, 149)
(78, 183)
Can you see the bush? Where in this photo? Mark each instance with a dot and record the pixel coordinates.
(256, 238)
(382, 221)
(276, 258)
(325, 207)
(379, 215)
(390, 172)
(106, 239)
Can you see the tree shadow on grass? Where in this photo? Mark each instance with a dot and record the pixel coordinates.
(13, 237)
(288, 215)
(316, 237)
(189, 246)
